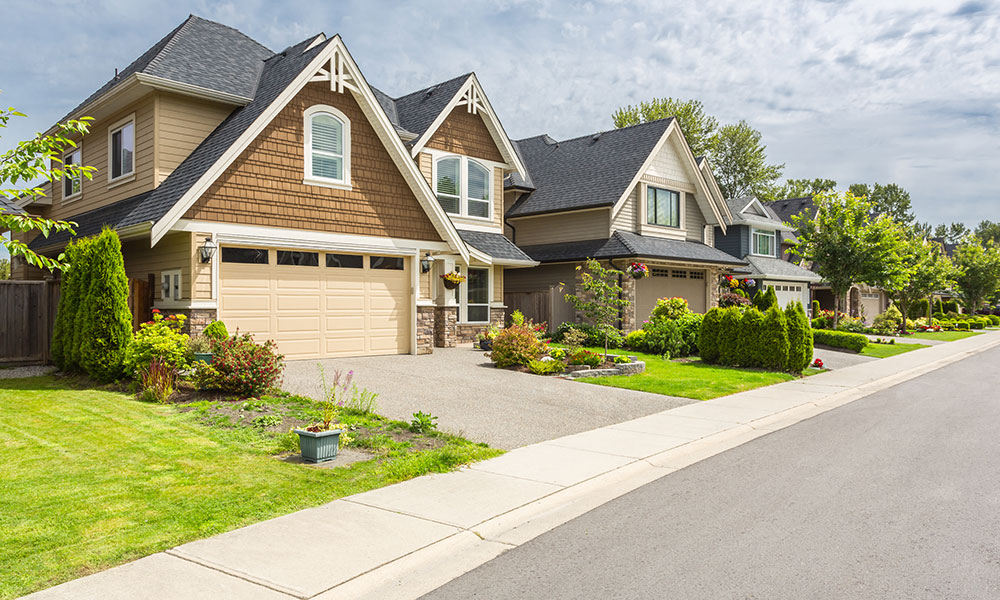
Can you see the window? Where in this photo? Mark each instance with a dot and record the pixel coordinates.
(696, 275)
(71, 184)
(763, 243)
(663, 207)
(655, 272)
(394, 263)
(249, 256)
(122, 150)
(679, 274)
(463, 186)
(345, 261)
(327, 147)
(299, 259)
(170, 285)
(477, 295)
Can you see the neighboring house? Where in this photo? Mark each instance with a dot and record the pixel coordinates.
(283, 194)
(863, 301)
(635, 194)
(755, 234)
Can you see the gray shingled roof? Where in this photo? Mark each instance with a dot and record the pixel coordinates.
(585, 172)
(513, 180)
(775, 268)
(623, 244)
(117, 215)
(784, 209)
(9, 207)
(495, 244)
(412, 114)
(736, 205)
(198, 52)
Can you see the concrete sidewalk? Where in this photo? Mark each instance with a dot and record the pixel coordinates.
(408, 539)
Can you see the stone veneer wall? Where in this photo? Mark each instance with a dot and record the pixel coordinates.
(425, 329)
(197, 318)
(467, 332)
(445, 326)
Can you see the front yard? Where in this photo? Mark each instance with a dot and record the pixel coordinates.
(944, 336)
(886, 350)
(93, 478)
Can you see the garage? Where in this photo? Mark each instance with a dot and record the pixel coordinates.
(667, 283)
(790, 291)
(316, 304)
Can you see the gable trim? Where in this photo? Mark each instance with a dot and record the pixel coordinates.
(346, 77)
(471, 95)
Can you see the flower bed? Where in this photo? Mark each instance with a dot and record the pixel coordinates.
(607, 369)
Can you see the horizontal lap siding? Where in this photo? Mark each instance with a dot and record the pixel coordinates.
(201, 272)
(264, 185)
(174, 251)
(561, 227)
(628, 216)
(498, 284)
(182, 123)
(694, 219)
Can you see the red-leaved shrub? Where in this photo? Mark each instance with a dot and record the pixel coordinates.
(240, 366)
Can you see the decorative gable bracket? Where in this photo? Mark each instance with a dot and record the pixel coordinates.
(471, 100)
(335, 71)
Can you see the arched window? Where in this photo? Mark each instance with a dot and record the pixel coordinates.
(463, 186)
(479, 190)
(327, 147)
(449, 184)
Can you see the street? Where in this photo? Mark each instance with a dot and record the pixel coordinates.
(896, 495)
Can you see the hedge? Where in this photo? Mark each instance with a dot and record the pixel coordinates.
(729, 336)
(750, 340)
(800, 338)
(774, 347)
(69, 301)
(765, 299)
(107, 328)
(840, 339)
(708, 341)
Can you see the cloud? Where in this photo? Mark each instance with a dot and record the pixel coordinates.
(891, 91)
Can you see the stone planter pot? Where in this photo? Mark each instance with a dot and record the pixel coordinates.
(486, 345)
(205, 357)
(319, 446)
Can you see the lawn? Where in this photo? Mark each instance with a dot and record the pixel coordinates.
(689, 379)
(93, 478)
(887, 350)
(944, 336)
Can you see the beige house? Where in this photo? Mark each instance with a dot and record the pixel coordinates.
(284, 195)
(635, 194)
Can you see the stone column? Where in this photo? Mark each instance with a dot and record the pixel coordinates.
(445, 326)
(425, 329)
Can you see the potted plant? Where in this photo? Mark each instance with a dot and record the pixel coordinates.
(319, 442)
(201, 348)
(637, 270)
(486, 337)
(452, 280)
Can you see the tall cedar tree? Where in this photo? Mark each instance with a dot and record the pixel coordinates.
(108, 325)
(751, 340)
(72, 352)
(729, 336)
(775, 345)
(708, 339)
(69, 300)
(800, 340)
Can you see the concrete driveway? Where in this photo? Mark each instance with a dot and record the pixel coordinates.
(472, 398)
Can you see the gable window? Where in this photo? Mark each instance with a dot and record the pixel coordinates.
(170, 285)
(762, 242)
(121, 145)
(72, 184)
(327, 147)
(462, 186)
(663, 207)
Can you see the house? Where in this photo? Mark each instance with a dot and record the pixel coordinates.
(635, 194)
(757, 235)
(282, 193)
(863, 301)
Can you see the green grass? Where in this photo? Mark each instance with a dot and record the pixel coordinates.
(693, 379)
(92, 478)
(887, 350)
(944, 336)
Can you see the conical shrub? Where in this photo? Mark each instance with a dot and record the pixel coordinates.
(108, 322)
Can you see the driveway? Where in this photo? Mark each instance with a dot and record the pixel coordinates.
(472, 398)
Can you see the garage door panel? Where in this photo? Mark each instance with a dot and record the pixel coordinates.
(342, 303)
(235, 302)
(260, 327)
(298, 302)
(309, 323)
(335, 323)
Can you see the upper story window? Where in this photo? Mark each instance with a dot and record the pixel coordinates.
(72, 184)
(762, 242)
(463, 186)
(663, 207)
(121, 149)
(327, 147)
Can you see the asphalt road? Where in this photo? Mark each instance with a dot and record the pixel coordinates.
(896, 495)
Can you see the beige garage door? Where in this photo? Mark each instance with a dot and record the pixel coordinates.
(317, 304)
(667, 283)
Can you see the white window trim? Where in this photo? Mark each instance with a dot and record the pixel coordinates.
(176, 293)
(681, 207)
(116, 126)
(72, 197)
(463, 296)
(753, 241)
(308, 177)
(463, 199)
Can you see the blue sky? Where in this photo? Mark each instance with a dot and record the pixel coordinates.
(905, 92)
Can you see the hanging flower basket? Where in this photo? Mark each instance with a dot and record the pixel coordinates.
(637, 270)
(452, 280)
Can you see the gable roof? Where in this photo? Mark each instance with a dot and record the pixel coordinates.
(415, 112)
(200, 53)
(748, 211)
(9, 207)
(590, 171)
(624, 244)
(784, 209)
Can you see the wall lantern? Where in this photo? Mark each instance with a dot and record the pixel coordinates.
(425, 263)
(208, 250)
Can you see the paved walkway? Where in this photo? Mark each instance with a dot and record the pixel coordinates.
(407, 539)
(472, 398)
(839, 359)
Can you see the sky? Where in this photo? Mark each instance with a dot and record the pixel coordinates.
(906, 92)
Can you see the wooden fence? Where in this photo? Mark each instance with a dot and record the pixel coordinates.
(534, 305)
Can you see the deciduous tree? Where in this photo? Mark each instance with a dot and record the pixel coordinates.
(924, 269)
(699, 128)
(889, 199)
(601, 299)
(977, 271)
(800, 188)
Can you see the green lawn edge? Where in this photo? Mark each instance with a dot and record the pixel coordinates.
(886, 350)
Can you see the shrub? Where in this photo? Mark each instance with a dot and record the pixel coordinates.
(515, 345)
(240, 366)
(663, 336)
(216, 330)
(160, 339)
(815, 307)
(975, 324)
(594, 335)
(950, 306)
(774, 348)
(918, 308)
(670, 308)
(546, 367)
(938, 307)
(622, 360)
(962, 326)
(800, 339)
(708, 341)
(729, 336)
(840, 339)
(557, 353)
(994, 320)
(851, 324)
(107, 329)
(750, 341)
(158, 381)
(690, 329)
(765, 299)
(888, 322)
(729, 299)
(585, 357)
(636, 340)
(84, 275)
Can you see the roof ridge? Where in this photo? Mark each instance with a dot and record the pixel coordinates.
(624, 242)
(431, 87)
(223, 25)
(592, 134)
(170, 42)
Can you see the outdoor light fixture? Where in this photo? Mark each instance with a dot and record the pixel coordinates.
(425, 263)
(208, 250)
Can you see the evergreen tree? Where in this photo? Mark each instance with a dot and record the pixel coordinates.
(774, 344)
(708, 340)
(799, 338)
(751, 339)
(108, 323)
(73, 339)
(69, 297)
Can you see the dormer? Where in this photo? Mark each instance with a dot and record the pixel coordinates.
(755, 230)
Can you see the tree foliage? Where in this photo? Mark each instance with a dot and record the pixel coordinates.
(800, 188)
(890, 200)
(698, 127)
(107, 323)
(602, 298)
(924, 269)
(977, 271)
(4, 268)
(30, 161)
(953, 233)
(987, 232)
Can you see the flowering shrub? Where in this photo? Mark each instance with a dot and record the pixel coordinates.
(585, 357)
(729, 299)
(557, 353)
(670, 308)
(637, 270)
(515, 345)
(159, 339)
(240, 366)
